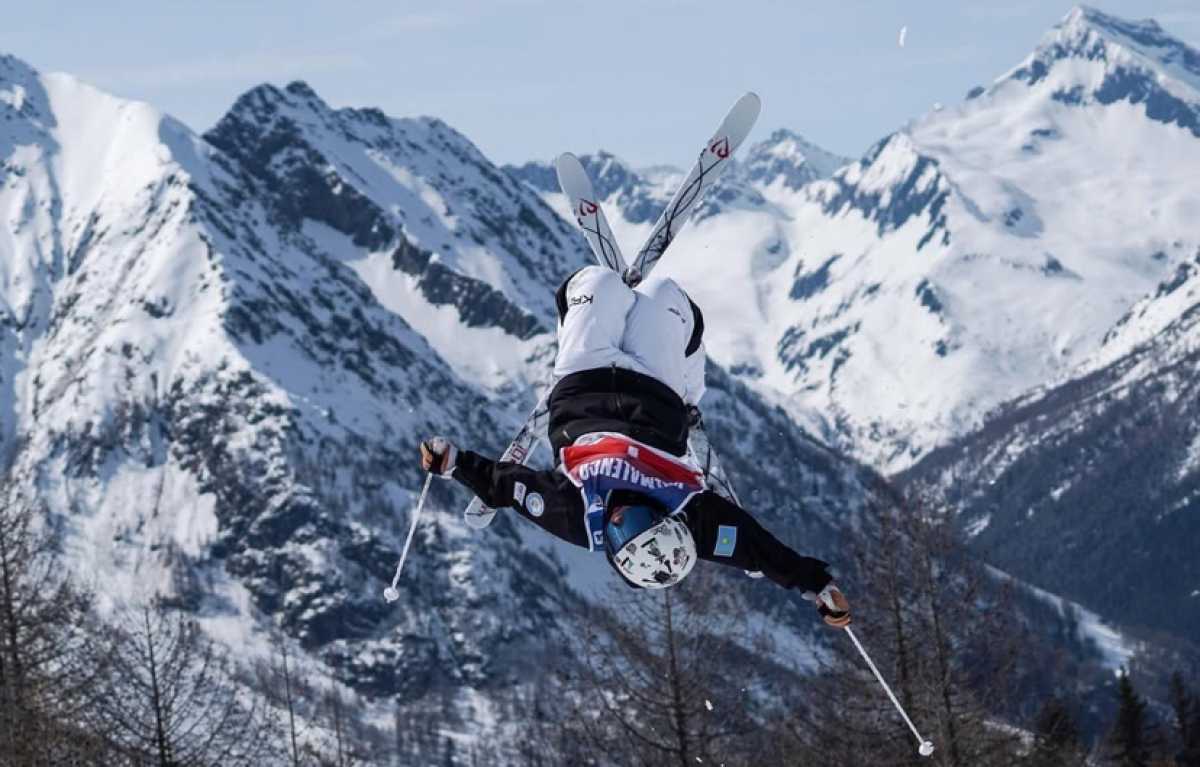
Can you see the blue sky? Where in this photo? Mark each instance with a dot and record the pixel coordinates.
(526, 79)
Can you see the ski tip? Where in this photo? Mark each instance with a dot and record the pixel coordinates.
(749, 102)
(566, 158)
(572, 178)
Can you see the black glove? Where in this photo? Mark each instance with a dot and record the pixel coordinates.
(438, 456)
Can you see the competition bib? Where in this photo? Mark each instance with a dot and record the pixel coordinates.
(603, 462)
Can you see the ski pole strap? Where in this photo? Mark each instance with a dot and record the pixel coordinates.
(886, 689)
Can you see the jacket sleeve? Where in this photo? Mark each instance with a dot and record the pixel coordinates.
(726, 533)
(546, 498)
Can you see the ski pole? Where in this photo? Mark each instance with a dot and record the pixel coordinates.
(926, 747)
(390, 593)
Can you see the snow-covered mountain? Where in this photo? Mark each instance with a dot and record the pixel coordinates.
(990, 247)
(1009, 235)
(982, 250)
(1091, 487)
(219, 353)
(1088, 484)
(218, 407)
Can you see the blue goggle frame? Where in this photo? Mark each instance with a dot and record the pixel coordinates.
(635, 520)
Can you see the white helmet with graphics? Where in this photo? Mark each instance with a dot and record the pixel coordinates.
(649, 548)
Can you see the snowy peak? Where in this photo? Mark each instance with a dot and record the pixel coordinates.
(893, 183)
(1093, 58)
(207, 397)
(638, 197)
(266, 130)
(609, 174)
(470, 234)
(21, 91)
(949, 254)
(1082, 29)
(788, 158)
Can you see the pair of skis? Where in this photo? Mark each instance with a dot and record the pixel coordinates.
(577, 187)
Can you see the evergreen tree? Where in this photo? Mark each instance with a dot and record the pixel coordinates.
(1187, 722)
(1130, 743)
(1056, 739)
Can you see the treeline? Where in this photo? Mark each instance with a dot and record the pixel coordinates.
(143, 685)
(687, 677)
(676, 678)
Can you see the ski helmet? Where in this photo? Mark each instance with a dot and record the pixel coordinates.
(649, 548)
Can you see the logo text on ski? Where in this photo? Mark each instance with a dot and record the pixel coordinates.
(720, 147)
(587, 208)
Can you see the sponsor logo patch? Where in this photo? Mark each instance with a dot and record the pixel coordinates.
(726, 541)
(519, 492)
(580, 300)
(535, 504)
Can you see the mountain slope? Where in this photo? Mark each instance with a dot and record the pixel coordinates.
(215, 407)
(1091, 487)
(446, 240)
(1088, 483)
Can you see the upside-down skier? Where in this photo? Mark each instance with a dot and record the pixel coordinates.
(630, 374)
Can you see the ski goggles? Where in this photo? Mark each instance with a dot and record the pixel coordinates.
(626, 523)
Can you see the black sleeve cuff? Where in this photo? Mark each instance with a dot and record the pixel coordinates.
(474, 472)
(812, 575)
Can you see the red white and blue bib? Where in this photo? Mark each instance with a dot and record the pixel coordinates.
(603, 462)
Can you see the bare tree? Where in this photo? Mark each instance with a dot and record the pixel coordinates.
(1186, 722)
(340, 736)
(172, 699)
(940, 628)
(49, 659)
(285, 690)
(653, 687)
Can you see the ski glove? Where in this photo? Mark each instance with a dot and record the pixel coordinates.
(438, 456)
(834, 607)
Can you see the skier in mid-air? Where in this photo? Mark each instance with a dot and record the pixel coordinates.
(630, 373)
